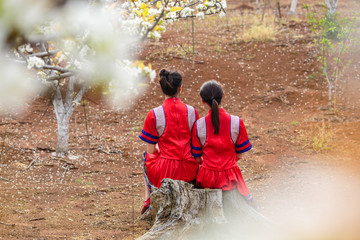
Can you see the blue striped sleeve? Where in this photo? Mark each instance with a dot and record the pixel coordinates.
(147, 140)
(149, 135)
(244, 150)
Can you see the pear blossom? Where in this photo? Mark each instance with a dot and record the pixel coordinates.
(200, 15)
(35, 62)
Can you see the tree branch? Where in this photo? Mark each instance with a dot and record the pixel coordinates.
(58, 104)
(69, 93)
(45, 54)
(155, 23)
(59, 69)
(22, 54)
(61, 76)
(76, 100)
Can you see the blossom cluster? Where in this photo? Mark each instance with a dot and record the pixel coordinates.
(150, 17)
(92, 40)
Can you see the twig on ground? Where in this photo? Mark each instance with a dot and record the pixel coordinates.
(85, 135)
(5, 179)
(37, 219)
(47, 149)
(102, 150)
(8, 224)
(32, 162)
(3, 146)
(67, 167)
(133, 213)
(87, 130)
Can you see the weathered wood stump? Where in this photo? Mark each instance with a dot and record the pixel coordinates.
(181, 211)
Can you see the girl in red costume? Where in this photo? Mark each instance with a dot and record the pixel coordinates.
(218, 140)
(167, 132)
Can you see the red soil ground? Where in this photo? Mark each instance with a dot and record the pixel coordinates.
(304, 156)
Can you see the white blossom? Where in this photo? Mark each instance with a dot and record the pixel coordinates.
(28, 48)
(152, 75)
(186, 12)
(35, 62)
(200, 15)
(155, 34)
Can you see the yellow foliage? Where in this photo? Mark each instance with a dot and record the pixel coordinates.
(175, 9)
(158, 4)
(58, 55)
(137, 12)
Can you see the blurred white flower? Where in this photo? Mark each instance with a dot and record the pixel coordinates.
(35, 62)
(28, 48)
(186, 12)
(152, 75)
(155, 34)
(17, 86)
(223, 3)
(200, 15)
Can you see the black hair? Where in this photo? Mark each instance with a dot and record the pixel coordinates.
(170, 81)
(211, 92)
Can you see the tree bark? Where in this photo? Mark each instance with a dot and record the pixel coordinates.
(293, 7)
(332, 6)
(180, 211)
(64, 111)
(62, 146)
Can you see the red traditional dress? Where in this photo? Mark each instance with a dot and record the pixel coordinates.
(219, 168)
(170, 127)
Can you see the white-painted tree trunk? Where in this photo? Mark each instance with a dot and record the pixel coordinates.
(64, 111)
(293, 7)
(62, 146)
(332, 6)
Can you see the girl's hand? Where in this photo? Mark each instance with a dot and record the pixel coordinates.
(152, 148)
(199, 160)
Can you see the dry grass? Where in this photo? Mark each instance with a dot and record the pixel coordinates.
(319, 139)
(259, 33)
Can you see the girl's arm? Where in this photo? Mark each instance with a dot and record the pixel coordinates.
(152, 148)
(238, 156)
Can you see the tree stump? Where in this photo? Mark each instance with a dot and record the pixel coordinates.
(181, 211)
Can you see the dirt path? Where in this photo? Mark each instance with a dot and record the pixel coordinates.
(275, 87)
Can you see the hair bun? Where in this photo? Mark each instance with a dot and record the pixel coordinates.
(164, 73)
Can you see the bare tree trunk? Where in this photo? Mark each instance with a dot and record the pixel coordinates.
(182, 212)
(63, 138)
(64, 111)
(277, 11)
(293, 7)
(332, 6)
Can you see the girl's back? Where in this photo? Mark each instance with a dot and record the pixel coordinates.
(170, 127)
(219, 150)
(217, 139)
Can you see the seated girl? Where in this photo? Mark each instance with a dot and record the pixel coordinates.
(218, 140)
(167, 132)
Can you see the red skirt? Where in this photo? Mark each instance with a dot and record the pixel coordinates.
(159, 168)
(226, 180)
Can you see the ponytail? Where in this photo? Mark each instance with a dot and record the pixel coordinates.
(215, 120)
(211, 92)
